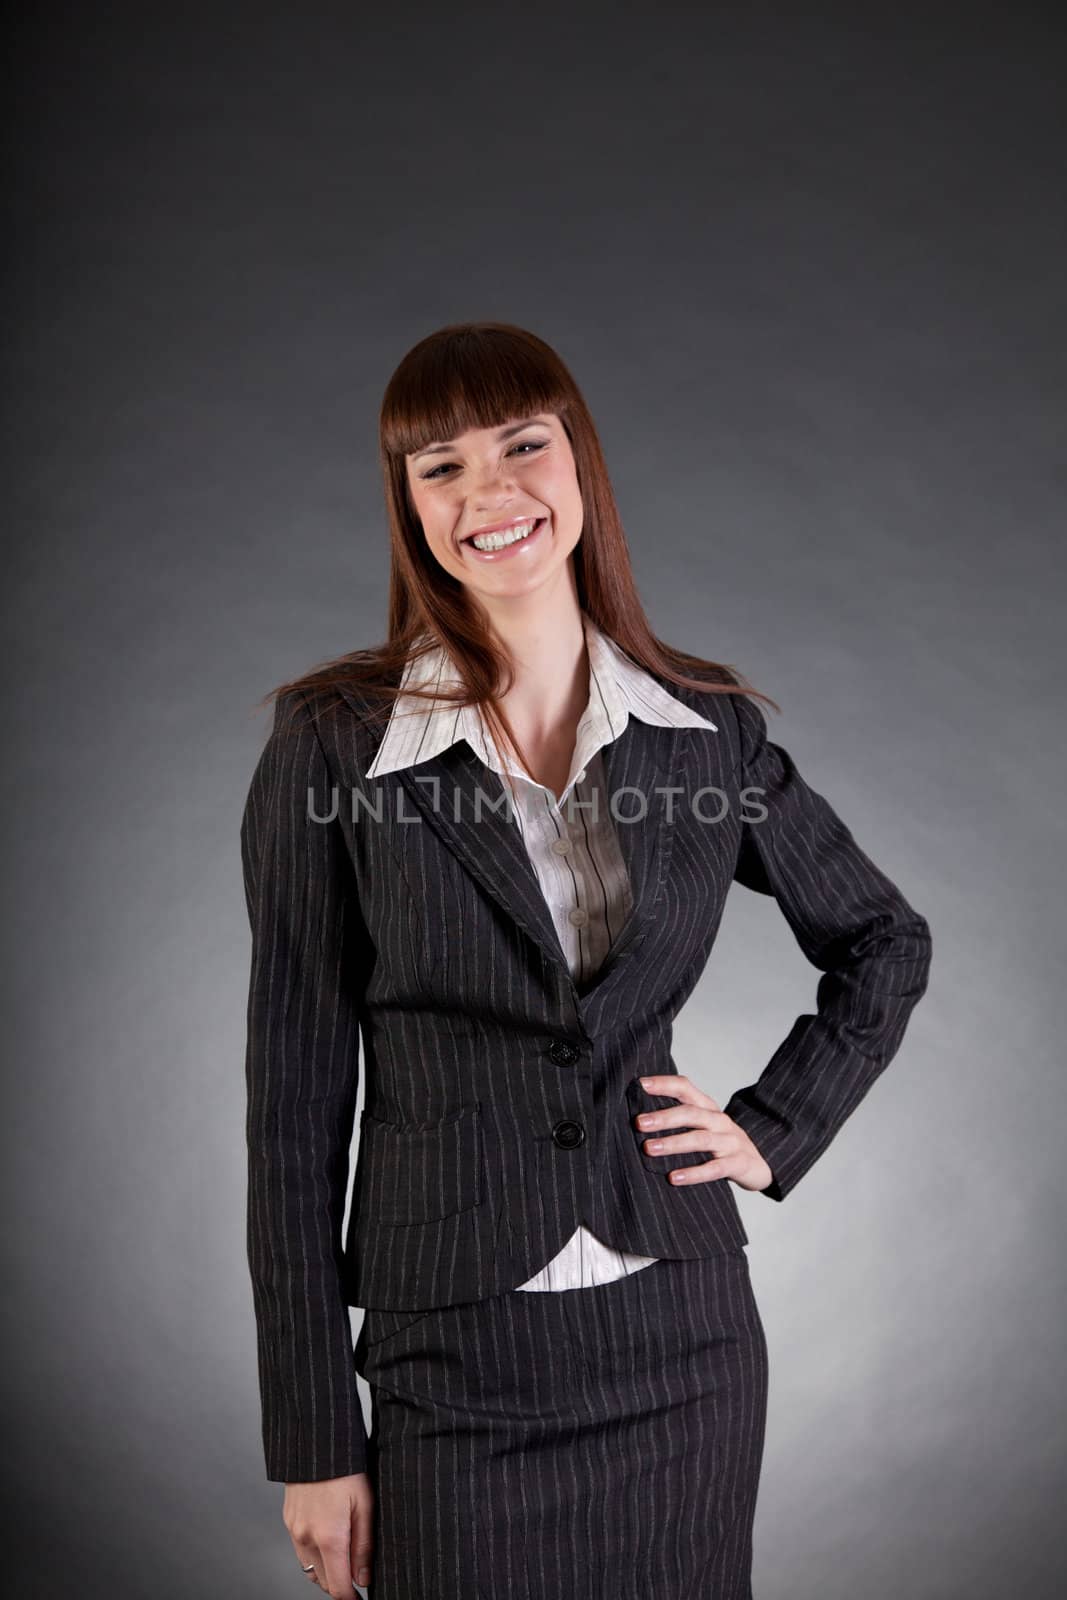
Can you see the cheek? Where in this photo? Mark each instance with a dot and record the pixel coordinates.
(574, 502)
(575, 520)
(439, 543)
(433, 517)
(564, 497)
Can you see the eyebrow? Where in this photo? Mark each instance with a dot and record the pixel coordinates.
(504, 433)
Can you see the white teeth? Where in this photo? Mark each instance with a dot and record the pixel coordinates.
(498, 541)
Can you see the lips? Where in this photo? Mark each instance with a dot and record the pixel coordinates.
(503, 555)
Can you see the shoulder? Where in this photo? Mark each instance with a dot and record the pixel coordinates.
(738, 716)
(718, 701)
(348, 720)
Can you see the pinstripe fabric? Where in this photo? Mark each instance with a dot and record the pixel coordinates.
(599, 1444)
(404, 913)
(573, 848)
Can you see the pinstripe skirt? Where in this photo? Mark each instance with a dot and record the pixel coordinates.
(595, 1442)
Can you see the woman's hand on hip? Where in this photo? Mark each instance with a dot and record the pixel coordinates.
(732, 1151)
(331, 1526)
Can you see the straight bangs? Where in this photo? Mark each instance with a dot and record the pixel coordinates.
(481, 377)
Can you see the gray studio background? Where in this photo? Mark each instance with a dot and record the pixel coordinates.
(807, 265)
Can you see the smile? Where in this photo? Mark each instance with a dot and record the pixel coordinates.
(490, 545)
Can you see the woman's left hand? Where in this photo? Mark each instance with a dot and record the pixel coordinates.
(733, 1153)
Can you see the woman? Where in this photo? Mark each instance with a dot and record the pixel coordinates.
(497, 850)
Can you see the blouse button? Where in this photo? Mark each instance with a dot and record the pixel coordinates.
(561, 847)
(578, 917)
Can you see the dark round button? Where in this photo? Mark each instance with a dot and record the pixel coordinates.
(562, 1053)
(568, 1135)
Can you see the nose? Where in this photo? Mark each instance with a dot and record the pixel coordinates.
(493, 486)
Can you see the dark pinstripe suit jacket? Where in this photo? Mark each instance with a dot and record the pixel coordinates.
(499, 1097)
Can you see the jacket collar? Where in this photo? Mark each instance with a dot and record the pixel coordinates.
(419, 730)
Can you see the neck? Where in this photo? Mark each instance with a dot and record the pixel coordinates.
(545, 643)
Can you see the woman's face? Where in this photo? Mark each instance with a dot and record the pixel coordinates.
(520, 473)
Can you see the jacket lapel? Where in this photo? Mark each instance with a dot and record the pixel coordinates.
(644, 759)
(455, 793)
(465, 803)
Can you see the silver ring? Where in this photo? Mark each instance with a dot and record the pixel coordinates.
(308, 1569)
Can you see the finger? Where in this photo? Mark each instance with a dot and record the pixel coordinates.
(661, 1142)
(334, 1549)
(721, 1167)
(362, 1543)
(699, 1139)
(307, 1554)
(684, 1116)
(679, 1087)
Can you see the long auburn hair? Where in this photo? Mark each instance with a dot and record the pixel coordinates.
(484, 375)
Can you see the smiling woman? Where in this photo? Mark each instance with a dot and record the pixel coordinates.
(482, 426)
(551, 1262)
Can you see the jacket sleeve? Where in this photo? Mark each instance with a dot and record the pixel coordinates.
(302, 1072)
(855, 926)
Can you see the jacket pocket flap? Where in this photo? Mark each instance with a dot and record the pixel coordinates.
(419, 1172)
